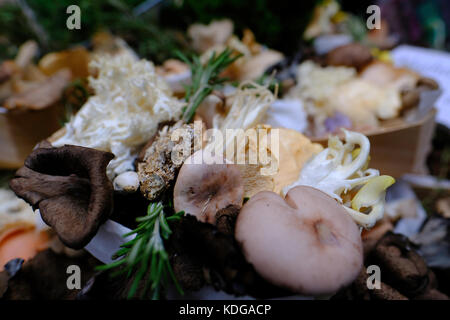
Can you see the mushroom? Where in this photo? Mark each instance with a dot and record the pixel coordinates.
(205, 37)
(202, 189)
(164, 156)
(350, 55)
(226, 219)
(306, 242)
(70, 188)
(411, 96)
(40, 95)
(127, 182)
(212, 105)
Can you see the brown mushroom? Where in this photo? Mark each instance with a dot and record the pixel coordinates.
(41, 95)
(350, 55)
(202, 189)
(411, 96)
(402, 266)
(404, 273)
(70, 188)
(226, 219)
(7, 69)
(306, 242)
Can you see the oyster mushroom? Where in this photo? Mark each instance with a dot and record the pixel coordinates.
(202, 189)
(70, 188)
(306, 242)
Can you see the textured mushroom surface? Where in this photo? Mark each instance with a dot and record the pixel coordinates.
(404, 274)
(70, 188)
(202, 189)
(305, 242)
(157, 170)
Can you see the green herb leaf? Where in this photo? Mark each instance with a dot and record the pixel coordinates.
(145, 254)
(205, 78)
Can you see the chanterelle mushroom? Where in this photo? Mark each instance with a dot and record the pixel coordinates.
(305, 242)
(70, 188)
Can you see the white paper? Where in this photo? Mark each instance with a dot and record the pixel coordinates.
(406, 226)
(177, 81)
(325, 43)
(108, 240)
(429, 63)
(287, 113)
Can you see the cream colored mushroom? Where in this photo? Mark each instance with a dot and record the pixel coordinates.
(205, 186)
(305, 242)
(127, 182)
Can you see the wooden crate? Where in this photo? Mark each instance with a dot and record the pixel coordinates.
(399, 147)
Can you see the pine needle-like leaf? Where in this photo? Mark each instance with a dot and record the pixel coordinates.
(145, 254)
(205, 78)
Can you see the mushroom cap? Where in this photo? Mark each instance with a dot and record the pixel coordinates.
(305, 242)
(70, 188)
(127, 182)
(202, 189)
(349, 55)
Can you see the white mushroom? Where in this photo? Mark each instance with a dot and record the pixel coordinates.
(305, 242)
(127, 182)
(202, 189)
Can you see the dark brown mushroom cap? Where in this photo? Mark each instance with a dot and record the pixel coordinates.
(351, 55)
(70, 188)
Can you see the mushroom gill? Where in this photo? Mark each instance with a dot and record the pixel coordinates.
(70, 188)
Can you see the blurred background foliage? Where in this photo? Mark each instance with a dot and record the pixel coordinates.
(142, 32)
(278, 24)
(154, 28)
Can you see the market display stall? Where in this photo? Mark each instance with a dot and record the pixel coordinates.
(227, 170)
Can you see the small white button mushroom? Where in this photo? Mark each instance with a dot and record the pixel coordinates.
(127, 182)
(305, 242)
(203, 189)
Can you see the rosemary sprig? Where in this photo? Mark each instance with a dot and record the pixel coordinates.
(205, 78)
(146, 255)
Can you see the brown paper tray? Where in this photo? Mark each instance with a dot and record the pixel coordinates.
(20, 131)
(399, 147)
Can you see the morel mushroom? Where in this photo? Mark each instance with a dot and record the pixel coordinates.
(70, 188)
